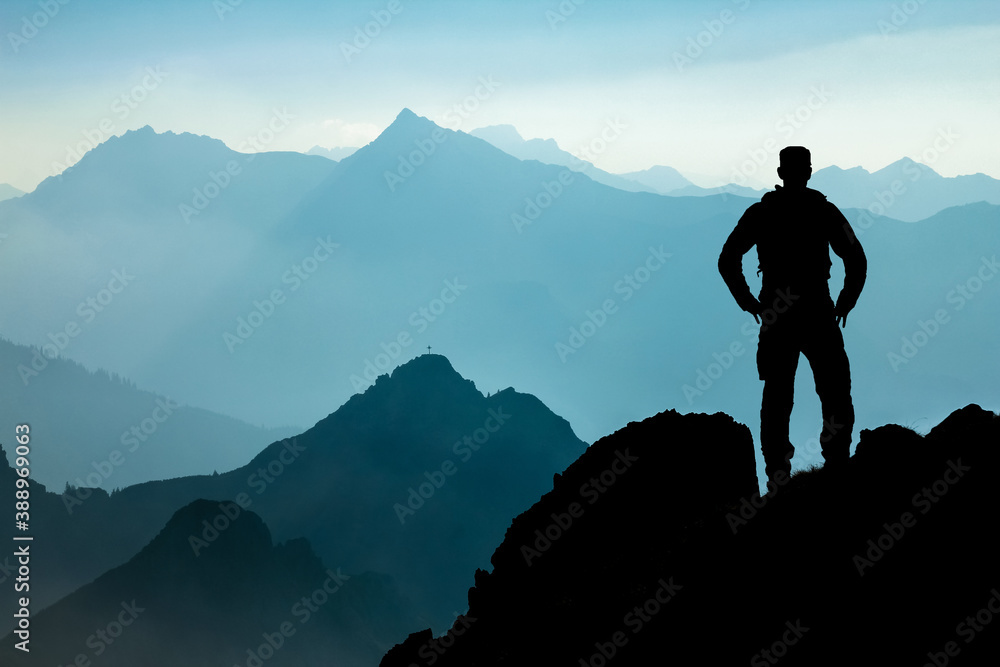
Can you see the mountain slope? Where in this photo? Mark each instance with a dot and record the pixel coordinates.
(243, 598)
(143, 177)
(668, 181)
(102, 431)
(877, 564)
(9, 191)
(905, 190)
(336, 154)
(420, 460)
(547, 151)
(662, 179)
(552, 281)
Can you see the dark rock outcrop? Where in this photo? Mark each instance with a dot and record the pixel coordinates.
(888, 561)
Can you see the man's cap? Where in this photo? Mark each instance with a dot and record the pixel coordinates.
(795, 156)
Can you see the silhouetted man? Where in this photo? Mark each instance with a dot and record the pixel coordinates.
(794, 228)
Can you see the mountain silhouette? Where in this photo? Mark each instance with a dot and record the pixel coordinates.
(336, 154)
(143, 178)
(9, 191)
(905, 190)
(678, 560)
(730, 189)
(507, 139)
(668, 181)
(167, 606)
(662, 179)
(110, 433)
(420, 460)
(659, 179)
(534, 284)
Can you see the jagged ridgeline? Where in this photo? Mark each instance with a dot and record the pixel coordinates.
(547, 254)
(99, 430)
(413, 482)
(654, 548)
(242, 602)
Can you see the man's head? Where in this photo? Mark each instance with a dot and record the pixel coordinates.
(795, 166)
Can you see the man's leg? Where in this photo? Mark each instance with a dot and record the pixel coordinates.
(777, 359)
(832, 372)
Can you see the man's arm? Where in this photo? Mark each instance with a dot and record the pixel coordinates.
(847, 246)
(731, 261)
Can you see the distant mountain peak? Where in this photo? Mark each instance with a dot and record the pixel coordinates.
(147, 133)
(423, 373)
(244, 532)
(840, 170)
(336, 153)
(501, 136)
(660, 178)
(9, 191)
(146, 130)
(428, 360)
(407, 118)
(426, 382)
(406, 127)
(909, 164)
(134, 145)
(427, 365)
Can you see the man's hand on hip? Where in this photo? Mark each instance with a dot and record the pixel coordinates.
(840, 316)
(752, 306)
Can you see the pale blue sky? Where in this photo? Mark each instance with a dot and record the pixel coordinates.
(882, 94)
